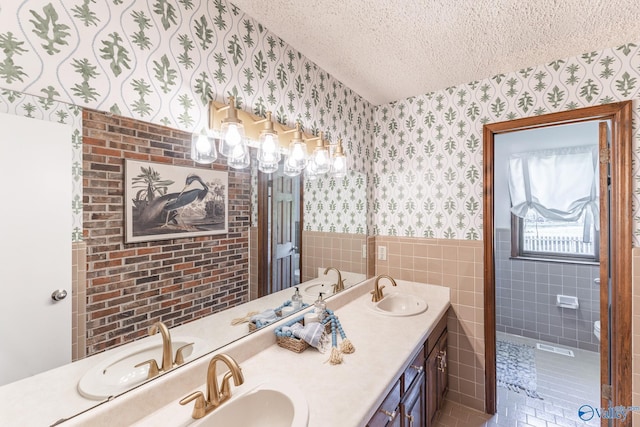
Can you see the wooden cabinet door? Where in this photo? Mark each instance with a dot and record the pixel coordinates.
(443, 370)
(413, 405)
(432, 386)
(419, 393)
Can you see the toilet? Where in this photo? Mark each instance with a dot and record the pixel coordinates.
(596, 329)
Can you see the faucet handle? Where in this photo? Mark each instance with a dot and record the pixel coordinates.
(338, 286)
(154, 370)
(200, 407)
(179, 360)
(225, 390)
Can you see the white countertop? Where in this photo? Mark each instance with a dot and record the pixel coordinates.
(43, 399)
(346, 395)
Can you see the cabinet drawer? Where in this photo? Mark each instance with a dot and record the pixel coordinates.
(388, 414)
(435, 334)
(414, 369)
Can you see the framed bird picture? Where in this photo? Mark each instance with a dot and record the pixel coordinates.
(170, 202)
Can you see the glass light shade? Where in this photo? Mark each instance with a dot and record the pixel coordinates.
(268, 149)
(321, 160)
(290, 168)
(203, 148)
(298, 157)
(339, 166)
(231, 135)
(311, 171)
(239, 158)
(267, 167)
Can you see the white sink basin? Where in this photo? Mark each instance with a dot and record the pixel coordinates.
(312, 290)
(270, 404)
(399, 304)
(260, 402)
(117, 373)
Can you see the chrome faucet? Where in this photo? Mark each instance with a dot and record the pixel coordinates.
(216, 395)
(339, 285)
(167, 352)
(377, 290)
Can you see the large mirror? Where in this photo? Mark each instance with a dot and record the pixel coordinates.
(202, 288)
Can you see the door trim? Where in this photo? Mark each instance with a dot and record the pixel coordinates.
(264, 235)
(620, 114)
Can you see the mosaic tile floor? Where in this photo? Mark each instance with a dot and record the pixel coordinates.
(565, 383)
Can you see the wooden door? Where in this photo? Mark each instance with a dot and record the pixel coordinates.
(280, 231)
(285, 231)
(615, 245)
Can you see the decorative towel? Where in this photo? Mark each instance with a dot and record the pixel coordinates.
(265, 317)
(313, 334)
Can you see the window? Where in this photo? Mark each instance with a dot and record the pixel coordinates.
(554, 204)
(537, 237)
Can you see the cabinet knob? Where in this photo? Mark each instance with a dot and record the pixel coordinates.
(418, 368)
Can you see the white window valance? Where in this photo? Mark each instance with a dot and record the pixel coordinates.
(560, 184)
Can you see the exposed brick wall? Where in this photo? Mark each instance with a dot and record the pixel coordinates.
(130, 286)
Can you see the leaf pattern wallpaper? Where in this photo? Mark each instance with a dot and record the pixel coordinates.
(427, 173)
(336, 205)
(162, 60)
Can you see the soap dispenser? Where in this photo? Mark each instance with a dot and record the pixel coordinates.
(296, 300)
(320, 307)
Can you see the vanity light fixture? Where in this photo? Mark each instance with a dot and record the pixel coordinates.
(239, 158)
(289, 168)
(262, 134)
(268, 167)
(268, 146)
(297, 156)
(203, 147)
(339, 161)
(310, 172)
(232, 133)
(321, 158)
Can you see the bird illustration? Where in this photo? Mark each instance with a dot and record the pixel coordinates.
(171, 203)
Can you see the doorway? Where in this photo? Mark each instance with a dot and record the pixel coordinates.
(279, 231)
(614, 254)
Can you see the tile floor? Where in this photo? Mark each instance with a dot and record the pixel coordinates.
(565, 383)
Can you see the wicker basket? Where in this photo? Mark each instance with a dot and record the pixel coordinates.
(253, 327)
(295, 344)
(292, 343)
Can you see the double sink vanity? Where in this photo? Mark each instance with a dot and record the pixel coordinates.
(396, 376)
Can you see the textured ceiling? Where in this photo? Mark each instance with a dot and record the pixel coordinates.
(387, 50)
